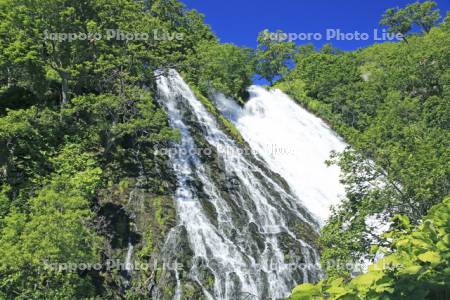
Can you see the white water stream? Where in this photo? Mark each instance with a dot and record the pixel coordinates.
(244, 225)
(294, 143)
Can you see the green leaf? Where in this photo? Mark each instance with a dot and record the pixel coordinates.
(367, 279)
(305, 291)
(430, 256)
(410, 270)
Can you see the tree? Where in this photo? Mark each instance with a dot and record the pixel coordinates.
(322, 72)
(56, 230)
(27, 138)
(303, 51)
(273, 55)
(423, 15)
(446, 23)
(395, 120)
(61, 164)
(224, 67)
(330, 49)
(398, 21)
(72, 45)
(32, 26)
(401, 21)
(415, 266)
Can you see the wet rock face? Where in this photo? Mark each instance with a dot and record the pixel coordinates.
(136, 222)
(249, 235)
(118, 225)
(242, 226)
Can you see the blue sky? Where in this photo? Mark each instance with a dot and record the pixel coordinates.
(239, 21)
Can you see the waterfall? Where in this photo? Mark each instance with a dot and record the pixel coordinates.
(246, 227)
(294, 143)
(128, 262)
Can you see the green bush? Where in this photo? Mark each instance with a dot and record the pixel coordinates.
(417, 266)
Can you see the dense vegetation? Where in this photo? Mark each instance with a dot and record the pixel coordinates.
(415, 267)
(391, 102)
(78, 129)
(79, 123)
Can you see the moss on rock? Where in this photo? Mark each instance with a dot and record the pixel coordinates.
(223, 122)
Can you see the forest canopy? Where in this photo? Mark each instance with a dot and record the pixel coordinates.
(79, 120)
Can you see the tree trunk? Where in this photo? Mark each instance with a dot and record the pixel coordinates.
(404, 38)
(64, 87)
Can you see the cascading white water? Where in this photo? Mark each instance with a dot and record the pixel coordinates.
(128, 262)
(251, 244)
(294, 143)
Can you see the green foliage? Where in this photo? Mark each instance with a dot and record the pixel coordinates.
(116, 127)
(15, 97)
(27, 139)
(390, 102)
(5, 203)
(398, 21)
(347, 237)
(273, 55)
(296, 88)
(424, 15)
(330, 49)
(401, 21)
(47, 65)
(76, 170)
(415, 267)
(57, 229)
(64, 159)
(56, 161)
(222, 67)
(321, 72)
(446, 24)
